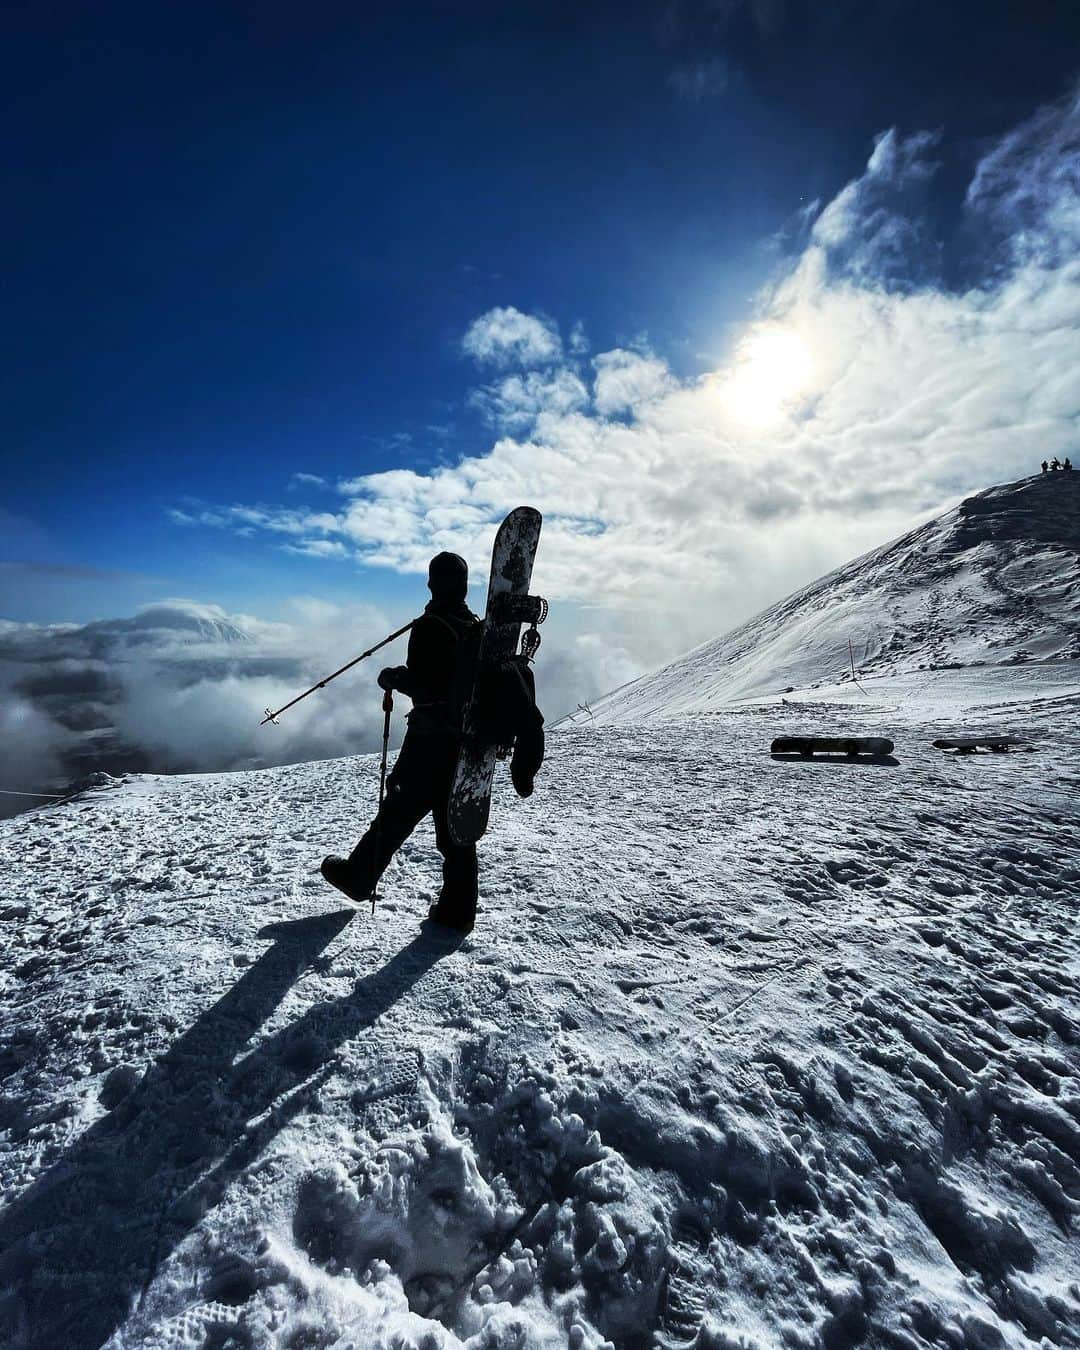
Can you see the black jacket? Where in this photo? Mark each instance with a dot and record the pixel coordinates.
(433, 665)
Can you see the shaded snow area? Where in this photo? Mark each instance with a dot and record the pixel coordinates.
(994, 582)
(742, 1053)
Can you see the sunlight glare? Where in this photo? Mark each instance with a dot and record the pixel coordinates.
(771, 368)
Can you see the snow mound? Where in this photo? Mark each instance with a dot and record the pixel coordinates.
(994, 582)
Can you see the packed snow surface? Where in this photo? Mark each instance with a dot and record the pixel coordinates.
(743, 1052)
(994, 582)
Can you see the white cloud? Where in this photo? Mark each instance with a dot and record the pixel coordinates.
(578, 342)
(626, 381)
(1029, 186)
(319, 548)
(670, 514)
(516, 401)
(505, 336)
(874, 230)
(247, 521)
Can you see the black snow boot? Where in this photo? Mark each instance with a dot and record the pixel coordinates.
(339, 872)
(459, 923)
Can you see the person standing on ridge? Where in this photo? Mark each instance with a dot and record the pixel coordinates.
(423, 774)
(1045, 466)
(1067, 466)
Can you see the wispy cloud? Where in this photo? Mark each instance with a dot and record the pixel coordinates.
(702, 78)
(1028, 187)
(72, 572)
(247, 521)
(318, 548)
(505, 336)
(707, 32)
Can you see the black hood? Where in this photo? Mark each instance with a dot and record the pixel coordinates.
(448, 577)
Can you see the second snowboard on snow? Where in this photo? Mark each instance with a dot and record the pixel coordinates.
(511, 572)
(877, 746)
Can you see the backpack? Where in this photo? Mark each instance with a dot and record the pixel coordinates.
(504, 712)
(502, 698)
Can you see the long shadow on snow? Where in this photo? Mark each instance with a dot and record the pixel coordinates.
(81, 1246)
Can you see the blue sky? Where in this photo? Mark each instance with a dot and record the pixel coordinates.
(245, 241)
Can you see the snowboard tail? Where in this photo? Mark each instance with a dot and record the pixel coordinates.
(508, 606)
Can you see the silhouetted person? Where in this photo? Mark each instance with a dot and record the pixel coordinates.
(1055, 464)
(1068, 464)
(423, 774)
(1045, 466)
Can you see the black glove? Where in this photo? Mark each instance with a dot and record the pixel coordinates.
(521, 778)
(392, 677)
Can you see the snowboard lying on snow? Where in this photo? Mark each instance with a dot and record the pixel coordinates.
(968, 745)
(852, 746)
(511, 571)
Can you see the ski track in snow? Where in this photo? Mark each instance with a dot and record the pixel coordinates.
(742, 1052)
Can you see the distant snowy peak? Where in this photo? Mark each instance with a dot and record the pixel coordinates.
(996, 581)
(186, 621)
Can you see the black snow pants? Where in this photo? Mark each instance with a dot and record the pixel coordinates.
(420, 782)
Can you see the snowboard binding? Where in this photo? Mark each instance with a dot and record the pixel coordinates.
(530, 609)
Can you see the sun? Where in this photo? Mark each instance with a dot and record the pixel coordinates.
(771, 368)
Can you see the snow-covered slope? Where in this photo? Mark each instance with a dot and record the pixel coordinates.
(995, 581)
(741, 1053)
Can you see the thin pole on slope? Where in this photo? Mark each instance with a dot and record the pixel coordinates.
(851, 658)
(273, 716)
(44, 796)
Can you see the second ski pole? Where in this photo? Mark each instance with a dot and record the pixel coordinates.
(388, 708)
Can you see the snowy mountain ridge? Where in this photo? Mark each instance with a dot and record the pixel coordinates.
(996, 581)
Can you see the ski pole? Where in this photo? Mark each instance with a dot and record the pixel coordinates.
(273, 716)
(388, 708)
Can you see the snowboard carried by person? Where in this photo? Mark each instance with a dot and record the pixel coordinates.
(500, 717)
